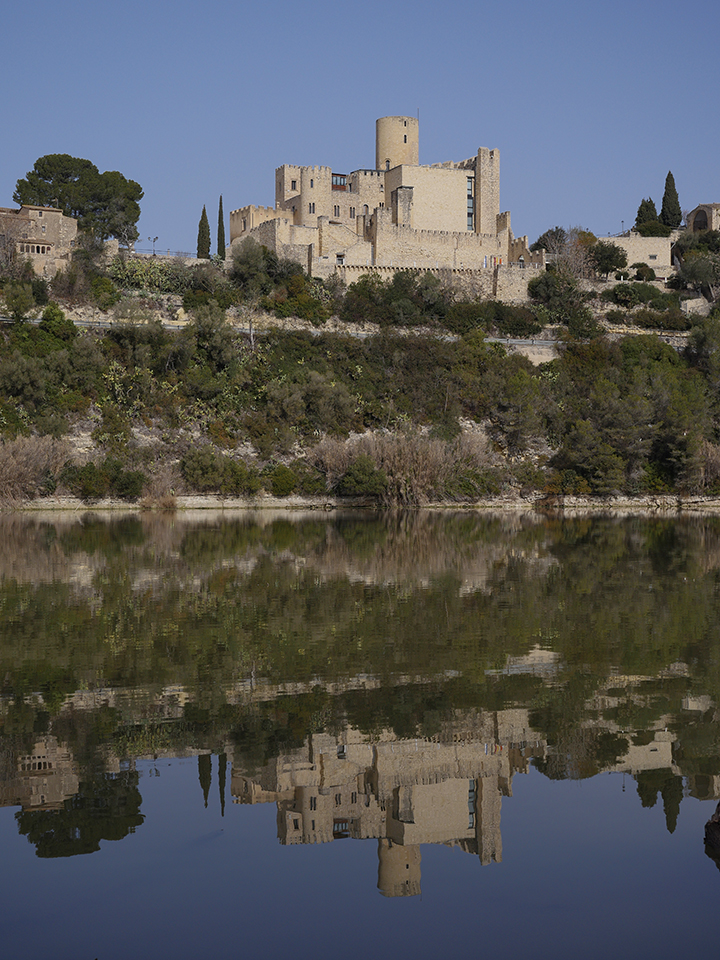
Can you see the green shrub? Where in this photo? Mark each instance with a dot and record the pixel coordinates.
(643, 271)
(362, 479)
(128, 484)
(40, 291)
(653, 228)
(673, 319)
(310, 482)
(56, 323)
(104, 292)
(19, 299)
(237, 478)
(202, 470)
(283, 481)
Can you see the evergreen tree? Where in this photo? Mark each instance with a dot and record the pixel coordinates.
(647, 212)
(203, 241)
(205, 774)
(670, 213)
(221, 232)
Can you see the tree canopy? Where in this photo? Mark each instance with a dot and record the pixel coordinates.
(104, 204)
(552, 241)
(670, 213)
(606, 256)
(221, 231)
(647, 212)
(203, 239)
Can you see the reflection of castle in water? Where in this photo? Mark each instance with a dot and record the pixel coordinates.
(401, 792)
(40, 780)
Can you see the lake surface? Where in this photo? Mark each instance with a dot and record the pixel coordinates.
(365, 735)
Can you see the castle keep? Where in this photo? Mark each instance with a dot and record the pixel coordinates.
(399, 215)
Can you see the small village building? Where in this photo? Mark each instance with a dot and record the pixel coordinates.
(42, 235)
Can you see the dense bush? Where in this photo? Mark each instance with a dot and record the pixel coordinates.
(150, 273)
(206, 471)
(362, 479)
(93, 481)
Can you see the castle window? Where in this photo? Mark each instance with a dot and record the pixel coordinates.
(387, 164)
(311, 208)
(244, 223)
(313, 803)
(365, 210)
(43, 228)
(296, 824)
(653, 256)
(339, 181)
(40, 213)
(405, 139)
(336, 211)
(352, 213)
(293, 184)
(312, 183)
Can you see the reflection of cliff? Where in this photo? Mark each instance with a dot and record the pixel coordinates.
(401, 792)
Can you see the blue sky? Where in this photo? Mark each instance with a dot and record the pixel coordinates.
(590, 104)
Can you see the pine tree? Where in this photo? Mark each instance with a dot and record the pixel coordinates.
(203, 241)
(670, 213)
(647, 212)
(221, 232)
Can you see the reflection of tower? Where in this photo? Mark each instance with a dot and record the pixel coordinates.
(398, 869)
(489, 839)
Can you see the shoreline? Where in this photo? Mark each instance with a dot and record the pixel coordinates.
(664, 505)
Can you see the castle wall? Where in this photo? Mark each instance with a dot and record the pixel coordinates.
(245, 219)
(487, 190)
(401, 246)
(439, 196)
(654, 251)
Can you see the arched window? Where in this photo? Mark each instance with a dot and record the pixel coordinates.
(701, 221)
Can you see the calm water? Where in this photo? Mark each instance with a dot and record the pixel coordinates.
(363, 735)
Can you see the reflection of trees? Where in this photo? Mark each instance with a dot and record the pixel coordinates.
(438, 611)
(105, 808)
(650, 783)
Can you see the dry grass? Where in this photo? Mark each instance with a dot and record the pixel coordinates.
(418, 468)
(27, 464)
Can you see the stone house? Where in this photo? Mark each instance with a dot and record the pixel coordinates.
(706, 216)
(42, 235)
(400, 214)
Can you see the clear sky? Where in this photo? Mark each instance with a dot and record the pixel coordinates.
(590, 104)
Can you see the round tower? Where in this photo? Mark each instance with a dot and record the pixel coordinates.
(396, 141)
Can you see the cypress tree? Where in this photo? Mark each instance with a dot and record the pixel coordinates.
(203, 243)
(670, 213)
(647, 212)
(221, 232)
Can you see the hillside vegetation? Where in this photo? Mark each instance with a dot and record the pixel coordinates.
(424, 409)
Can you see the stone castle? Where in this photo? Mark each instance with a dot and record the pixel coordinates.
(399, 215)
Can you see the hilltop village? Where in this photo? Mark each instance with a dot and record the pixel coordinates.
(379, 334)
